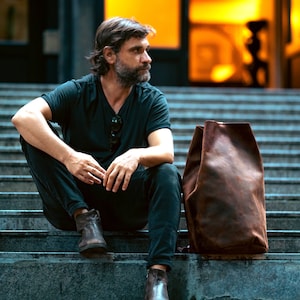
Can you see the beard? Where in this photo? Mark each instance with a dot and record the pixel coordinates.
(128, 76)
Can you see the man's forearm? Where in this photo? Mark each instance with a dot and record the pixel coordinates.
(155, 155)
(35, 130)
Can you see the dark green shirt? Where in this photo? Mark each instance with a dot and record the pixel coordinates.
(82, 111)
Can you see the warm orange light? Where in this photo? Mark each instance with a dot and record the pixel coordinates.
(222, 73)
(218, 35)
(295, 20)
(293, 47)
(220, 11)
(164, 16)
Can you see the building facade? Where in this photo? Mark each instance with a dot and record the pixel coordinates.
(238, 43)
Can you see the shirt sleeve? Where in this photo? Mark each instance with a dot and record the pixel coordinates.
(159, 115)
(60, 101)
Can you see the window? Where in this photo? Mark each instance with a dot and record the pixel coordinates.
(164, 16)
(14, 21)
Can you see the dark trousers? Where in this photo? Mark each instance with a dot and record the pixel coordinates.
(153, 197)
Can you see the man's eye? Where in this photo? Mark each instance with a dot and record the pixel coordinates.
(140, 50)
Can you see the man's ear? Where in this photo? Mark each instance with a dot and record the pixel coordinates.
(109, 54)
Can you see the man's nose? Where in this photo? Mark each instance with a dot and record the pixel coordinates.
(146, 57)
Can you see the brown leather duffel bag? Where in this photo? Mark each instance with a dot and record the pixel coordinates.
(223, 189)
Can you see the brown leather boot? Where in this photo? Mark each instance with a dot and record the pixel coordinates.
(92, 241)
(156, 286)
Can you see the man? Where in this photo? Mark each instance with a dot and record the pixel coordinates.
(113, 168)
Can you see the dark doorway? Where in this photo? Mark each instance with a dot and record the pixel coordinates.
(21, 40)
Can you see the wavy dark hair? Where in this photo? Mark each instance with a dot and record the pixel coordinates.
(113, 33)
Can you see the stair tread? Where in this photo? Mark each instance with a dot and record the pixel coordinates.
(177, 126)
(142, 232)
(214, 114)
(290, 165)
(35, 211)
(124, 256)
(185, 138)
(287, 180)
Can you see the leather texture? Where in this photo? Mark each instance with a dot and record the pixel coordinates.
(156, 286)
(92, 241)
(223, 191)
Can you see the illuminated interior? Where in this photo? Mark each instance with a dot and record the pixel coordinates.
(225, 11)
(164, 16)
(14, 20)
(295, 21)
(217, 38)
(293, 48)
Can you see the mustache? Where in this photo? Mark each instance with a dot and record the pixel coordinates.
(146, 67)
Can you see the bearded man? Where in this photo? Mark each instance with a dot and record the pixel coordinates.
(113, 167)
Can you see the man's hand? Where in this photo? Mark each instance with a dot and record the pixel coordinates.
(120, 171)
(85, 168)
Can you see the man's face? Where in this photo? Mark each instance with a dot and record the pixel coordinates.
(133, 62)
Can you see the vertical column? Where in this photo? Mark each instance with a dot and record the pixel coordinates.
(78, 20)
(279, 68)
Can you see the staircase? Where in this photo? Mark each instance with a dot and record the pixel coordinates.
(38, 261)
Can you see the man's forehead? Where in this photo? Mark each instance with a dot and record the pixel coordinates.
(136, 42)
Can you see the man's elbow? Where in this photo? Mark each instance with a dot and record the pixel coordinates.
(20, 118)
(16, 119)
(170, 157)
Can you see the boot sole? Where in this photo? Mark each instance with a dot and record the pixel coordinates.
(93, 250)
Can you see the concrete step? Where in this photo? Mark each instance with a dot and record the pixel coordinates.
(240, 107)
(22, 200)
(258, 119)
(26, 219)
(271, 169)
(20, 167)
(11, 153)
(259, 130)
(282, 202)
(280, 241)
(61, 241)
(199, 117)
(183, 141)
(32, 201)
(282, 185)
(187, 130)
(190, 94)
(13, 88)
(241, 99)
(280, 143)
(269, 155)
(19, 183)
(235, 108)
(248, 95)
(180, 94)
(65, 241)
(14, 167)
(7, 127)
(118, 276)
(283, 220)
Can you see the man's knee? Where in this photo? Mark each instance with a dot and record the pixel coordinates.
(168, 172)
(167, 176)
